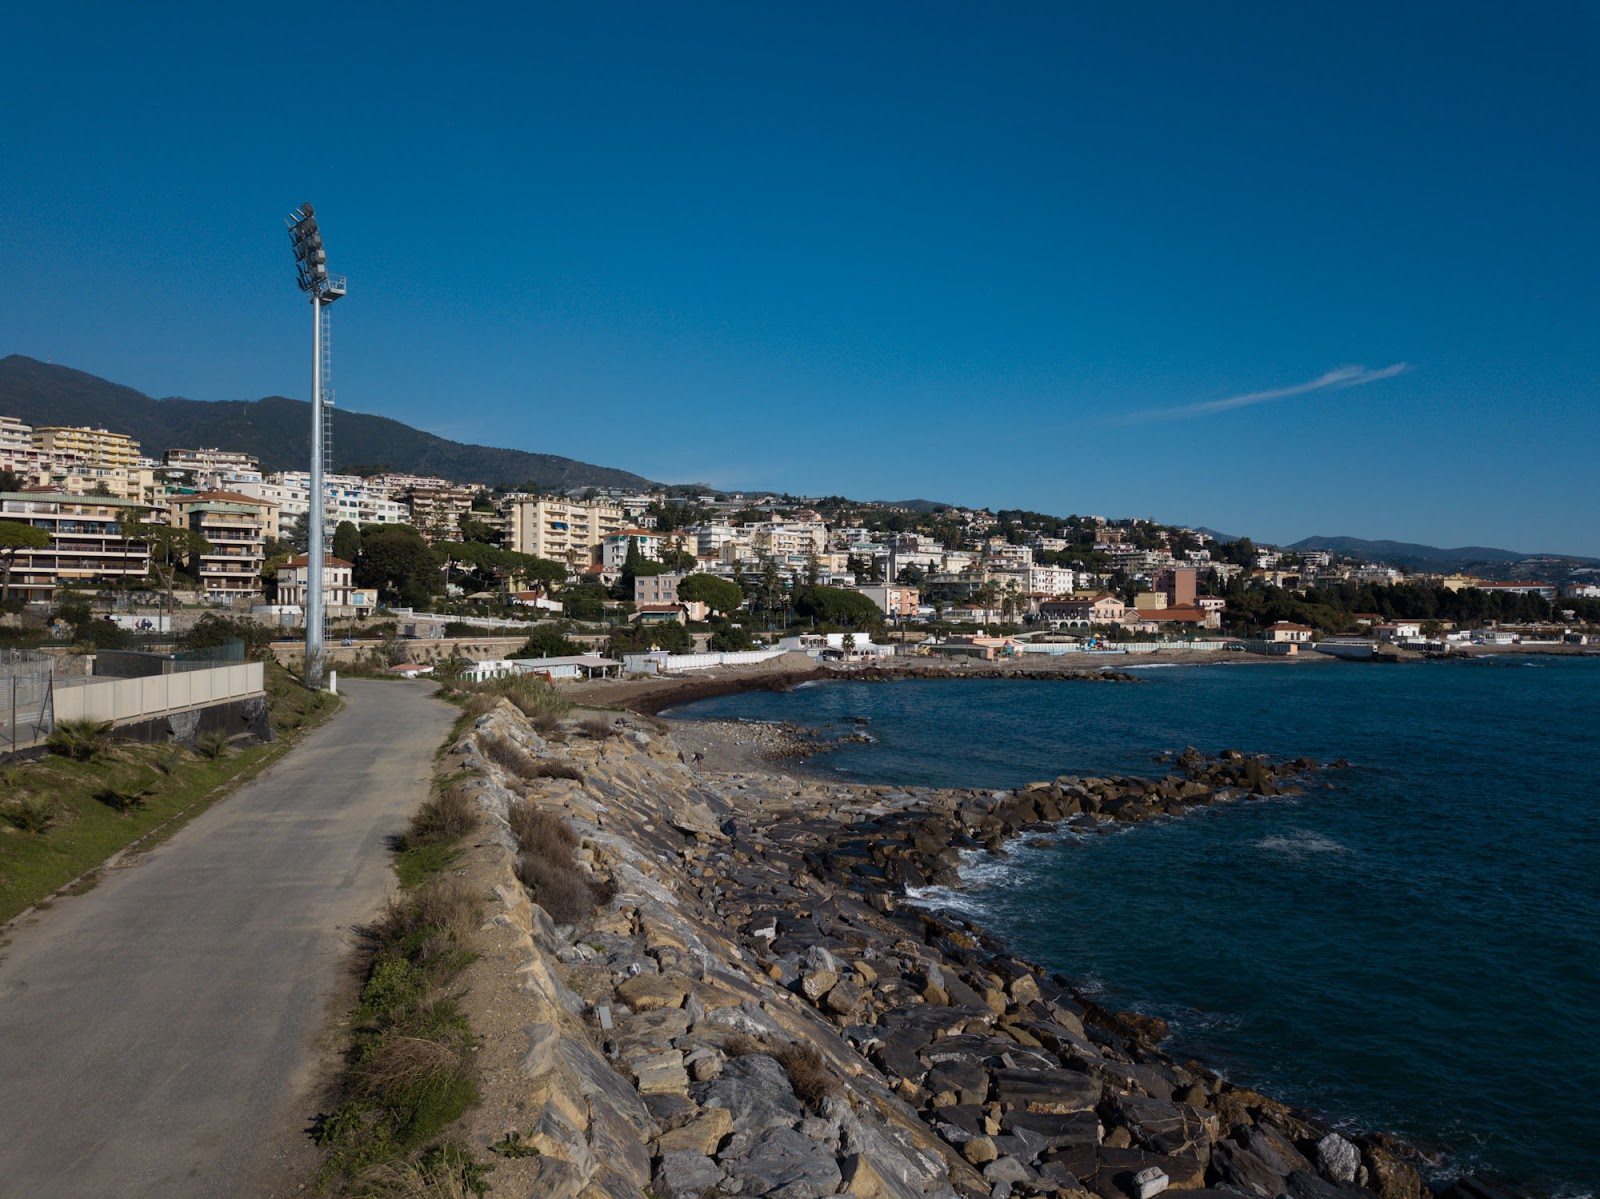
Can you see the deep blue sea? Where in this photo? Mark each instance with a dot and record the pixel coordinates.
(1412, 948)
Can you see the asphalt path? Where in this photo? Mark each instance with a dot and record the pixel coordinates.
(162, 1034)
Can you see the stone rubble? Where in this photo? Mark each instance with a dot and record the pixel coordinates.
(758, 916)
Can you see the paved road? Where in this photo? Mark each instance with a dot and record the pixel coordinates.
(159, 1035)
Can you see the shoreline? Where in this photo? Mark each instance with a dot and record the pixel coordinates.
(759, 908)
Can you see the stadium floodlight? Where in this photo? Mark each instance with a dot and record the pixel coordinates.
(311, 266)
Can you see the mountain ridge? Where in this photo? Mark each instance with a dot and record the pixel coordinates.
(277, 430)
(1409, 553)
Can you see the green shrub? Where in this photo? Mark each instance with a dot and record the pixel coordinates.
(31, 815)
(80, 740)
(124, 800)
(213, 745)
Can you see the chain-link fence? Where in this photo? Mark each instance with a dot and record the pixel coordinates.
(26, 711)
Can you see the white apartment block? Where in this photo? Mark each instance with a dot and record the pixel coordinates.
(212, 461)
(1051, 580)
(344, 498)
(15, 437)
(562, 530)
(614, 547)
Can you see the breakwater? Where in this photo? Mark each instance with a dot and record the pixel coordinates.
(755, 1009)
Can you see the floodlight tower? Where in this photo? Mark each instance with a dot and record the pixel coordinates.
(311, 261)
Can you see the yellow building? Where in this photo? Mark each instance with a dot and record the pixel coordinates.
(100, 447)
(563, 531)
(1460, 582)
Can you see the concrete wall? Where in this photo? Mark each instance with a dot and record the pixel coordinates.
(124, 700)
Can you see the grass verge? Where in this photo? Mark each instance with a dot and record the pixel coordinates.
(408, 1074)
(62, 816)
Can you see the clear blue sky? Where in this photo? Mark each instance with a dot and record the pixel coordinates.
(1275, 269)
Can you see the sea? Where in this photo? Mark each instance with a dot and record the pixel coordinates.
(1408, 947)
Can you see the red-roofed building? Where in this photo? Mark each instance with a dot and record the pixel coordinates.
(338, 590)
(1286, 630)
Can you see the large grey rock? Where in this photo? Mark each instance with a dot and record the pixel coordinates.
(685, 1175)
(1006, 1169)
(756, 1090)
(1338, 1158)
(1167, 1127)
(1239, 1167)
(785, 1164)
(1055, 1091)
(1303, 1184)
(1272, 1147)
(1054, 1131)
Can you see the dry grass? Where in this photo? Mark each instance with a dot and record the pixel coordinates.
(546, 769)
(558, 887)
(511, 756)
(448, 816)
(446, 905)
(541, 831)
(403, 1063)
(808, 1073)
(598, 728)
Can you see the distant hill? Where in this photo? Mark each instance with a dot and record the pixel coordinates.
(1429, 557)
(922, 506)
(277, 431)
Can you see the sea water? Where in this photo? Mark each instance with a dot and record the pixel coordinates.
(1408, 947)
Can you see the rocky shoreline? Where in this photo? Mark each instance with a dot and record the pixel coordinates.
(756, 1009)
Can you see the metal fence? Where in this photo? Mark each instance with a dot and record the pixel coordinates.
(27, 711)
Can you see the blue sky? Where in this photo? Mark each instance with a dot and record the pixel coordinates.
(1274, 269)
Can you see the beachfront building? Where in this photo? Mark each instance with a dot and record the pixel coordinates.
(893, 599)
(86, 546)
(1286, 630)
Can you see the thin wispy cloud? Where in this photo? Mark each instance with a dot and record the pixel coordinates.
(1335, 380)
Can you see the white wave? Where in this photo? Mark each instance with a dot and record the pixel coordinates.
(1300, 844)
(1149, 666)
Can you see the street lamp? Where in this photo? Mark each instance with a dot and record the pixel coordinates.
(311, 263)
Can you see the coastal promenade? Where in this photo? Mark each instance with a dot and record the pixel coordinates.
(161, 1034)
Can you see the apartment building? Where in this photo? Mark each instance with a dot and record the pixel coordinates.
(562, 530)
(344, 498)
(212, 461)
(614, 546)
(86, 545)
(779, 539)
(100, 447)
(15, 437)
(892, 600)
(237, 526)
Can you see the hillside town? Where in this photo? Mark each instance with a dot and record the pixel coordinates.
(85, 515)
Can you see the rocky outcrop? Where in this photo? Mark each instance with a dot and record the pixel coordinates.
(756, 1012)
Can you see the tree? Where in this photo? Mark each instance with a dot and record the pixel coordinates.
(731, 639)
(10, 480)
(836, 605)
(720, 595)
(398, 562)
(169, 547)
(14, 538)
(547, 641)
(346, 542)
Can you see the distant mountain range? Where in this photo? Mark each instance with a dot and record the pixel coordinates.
(277, 431)
(1428, 557)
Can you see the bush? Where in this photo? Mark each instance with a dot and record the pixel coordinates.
(31, 815)
(558, 887)
(448, 816)
(212, 746)
(123, 800)
(510, 755)
(808, 1073)
(445, 906)
(555, 770)
(80, 740)
(599, 728)
(540, 831)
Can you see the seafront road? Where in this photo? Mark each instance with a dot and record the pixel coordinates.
(163, 1034)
